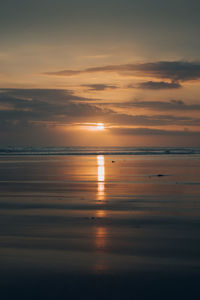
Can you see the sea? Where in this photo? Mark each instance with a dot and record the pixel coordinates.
(99, 223)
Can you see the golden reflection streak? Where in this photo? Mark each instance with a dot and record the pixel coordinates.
(101, 233)
(101, 236)
(101, 177)
(101, 184)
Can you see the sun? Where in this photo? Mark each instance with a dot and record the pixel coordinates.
(100, 126)
(93, 126)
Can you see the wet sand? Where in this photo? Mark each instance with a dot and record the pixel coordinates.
(100, 227)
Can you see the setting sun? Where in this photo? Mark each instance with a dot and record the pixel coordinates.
(100, 126)
(93, 126)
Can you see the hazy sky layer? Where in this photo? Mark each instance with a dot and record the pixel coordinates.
(66, 65)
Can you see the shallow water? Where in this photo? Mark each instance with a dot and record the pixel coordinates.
(95, 226)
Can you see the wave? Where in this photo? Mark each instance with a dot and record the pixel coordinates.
(99, 151)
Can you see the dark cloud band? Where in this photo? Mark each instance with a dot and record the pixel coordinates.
(175, 70)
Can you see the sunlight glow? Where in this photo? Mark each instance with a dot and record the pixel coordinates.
(93, 126)
(100, 126)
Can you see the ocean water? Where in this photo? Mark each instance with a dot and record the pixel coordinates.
(99, 223)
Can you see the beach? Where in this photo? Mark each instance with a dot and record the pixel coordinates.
(100, 226)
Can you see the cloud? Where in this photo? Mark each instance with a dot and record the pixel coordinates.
(49, 95)
(158, 85)
(64, 73)
(59, 106)
(176, 105)
(172, 70)
(45, 108)
(153, 131)
(99, 87)
(151, 120)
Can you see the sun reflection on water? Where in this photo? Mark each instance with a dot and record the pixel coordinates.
(101, 233)
(101, 177)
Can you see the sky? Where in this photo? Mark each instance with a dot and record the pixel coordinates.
(68, 66)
